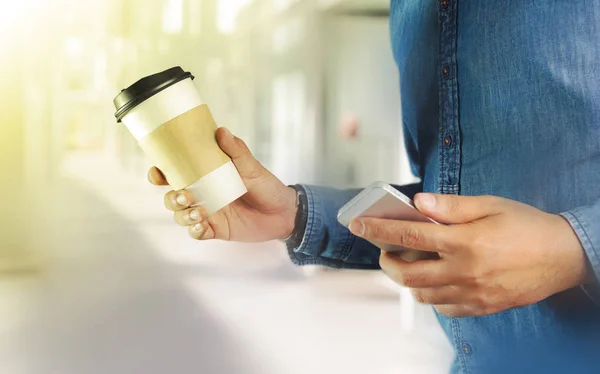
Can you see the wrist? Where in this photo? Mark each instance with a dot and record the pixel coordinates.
(294, 239)
(290, 213)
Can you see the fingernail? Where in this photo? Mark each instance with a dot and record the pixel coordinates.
(194, 215)
(357, 227)
(427, 200)
(182, 200)
(197, 227)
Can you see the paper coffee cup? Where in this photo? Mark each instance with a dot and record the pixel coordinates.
(176, 130)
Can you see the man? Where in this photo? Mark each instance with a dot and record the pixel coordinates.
(501, 109)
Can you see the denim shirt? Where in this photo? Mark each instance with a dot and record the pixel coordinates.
(499, 98)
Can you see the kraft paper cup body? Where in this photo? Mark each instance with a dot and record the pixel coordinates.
(214, 190)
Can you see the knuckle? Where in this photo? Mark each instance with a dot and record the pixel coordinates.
(468, 273)
(176, 218)
(384, 262)
(467, 310)
(169, 200)
(196, 233)
(410, 236)
(409, 280)
(493, 300)
(374, 231)
(441, 309)
(480, 301)
(449, 311)
(181, 218)
(424, 296)
(419, 296)
(481, 310)
(481, 275)
(444, 242)
(474, 277)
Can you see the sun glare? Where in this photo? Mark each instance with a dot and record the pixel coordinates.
(12, 12)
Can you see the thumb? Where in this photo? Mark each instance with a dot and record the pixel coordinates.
(239, 152)
(456, 209)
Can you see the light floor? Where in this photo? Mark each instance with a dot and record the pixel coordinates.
(124, 290)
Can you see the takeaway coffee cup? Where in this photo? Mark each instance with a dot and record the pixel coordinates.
(176, 130)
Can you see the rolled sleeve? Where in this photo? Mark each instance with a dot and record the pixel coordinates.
(585, 221)
(326, 242)
(586, 224)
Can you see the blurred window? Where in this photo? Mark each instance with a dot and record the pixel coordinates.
(195, 17)
(284, 4)
(172, 20)
(288, 34)
(288, 125)
(227, 12)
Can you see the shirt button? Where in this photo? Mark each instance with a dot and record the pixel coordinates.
(444, 4)
(446, 72)
(466, 348)
(448, 141)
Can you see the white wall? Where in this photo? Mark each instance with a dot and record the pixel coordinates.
(362, 81)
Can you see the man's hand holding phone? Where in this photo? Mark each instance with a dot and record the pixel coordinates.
(495, 253)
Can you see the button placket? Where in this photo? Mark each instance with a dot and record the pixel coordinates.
(448, 141)
(446, 72)
(449, 132)
(449, 135)
(466, 349)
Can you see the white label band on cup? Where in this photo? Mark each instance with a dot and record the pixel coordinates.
(218, 188)
(161, 108)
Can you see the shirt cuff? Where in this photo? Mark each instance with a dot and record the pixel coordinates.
(585, 221)
(581, 220)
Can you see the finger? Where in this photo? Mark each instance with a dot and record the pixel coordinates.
(239, 152)
(178, 200)
(458, 310)
(190, 216)
(201, 231)
(457, 209)
(445, 295)
(156, 177)
(418, 274)
(414, 235)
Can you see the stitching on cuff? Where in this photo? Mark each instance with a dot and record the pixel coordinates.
(347, 246)
(577, 223)
(313, 216)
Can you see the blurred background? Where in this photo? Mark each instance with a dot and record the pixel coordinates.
(95, 277)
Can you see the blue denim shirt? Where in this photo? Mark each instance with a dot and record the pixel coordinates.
(499, 98)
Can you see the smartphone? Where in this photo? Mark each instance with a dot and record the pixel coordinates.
(381, 200)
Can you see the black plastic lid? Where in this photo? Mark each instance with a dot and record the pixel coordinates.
(147, 87)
